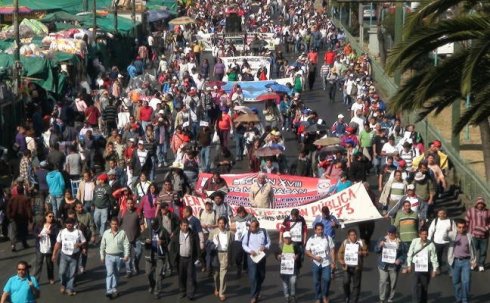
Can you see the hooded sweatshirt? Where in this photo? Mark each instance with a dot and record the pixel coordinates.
(478, 221)
(56, 183)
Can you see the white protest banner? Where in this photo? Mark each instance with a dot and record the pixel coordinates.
(350, 206)
(254, 61)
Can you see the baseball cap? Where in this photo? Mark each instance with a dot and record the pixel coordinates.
(141, 142)
(286, 234)
(340, 116)
(391, 229)
(411, 187)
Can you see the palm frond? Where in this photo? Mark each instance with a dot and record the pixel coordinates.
(477, 52)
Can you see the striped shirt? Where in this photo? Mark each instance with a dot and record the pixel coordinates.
(408, 157)
(110, 113)
(325, 70)
(478, 222)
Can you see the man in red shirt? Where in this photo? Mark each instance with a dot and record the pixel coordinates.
(146, 113)
(329, 57)
(92, 115)
(313, 56)
(224, 126)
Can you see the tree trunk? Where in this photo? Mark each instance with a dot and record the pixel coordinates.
(485, 142)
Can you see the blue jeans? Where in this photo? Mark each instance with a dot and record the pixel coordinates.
(239, 145)
(100, 219)
(256, 276)
(162, 153)
(480, 246)
(321, 280)
(289, 285)
(68, 269)
(204, 157)
(132, 265)
(461, 279)
(55, 204)
(112, 267)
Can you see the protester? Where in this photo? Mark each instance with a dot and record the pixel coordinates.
(256, 242)
(46, 235)
(478, 220)
(461, 256)
(391, 256)
(261, 193)
(221, 239)
(187, 242)
(69, 243)
(22, 287)
(422, 254)
(321, 249)
(351, 255)
(114, 249)
(290, 258)
(328, 221)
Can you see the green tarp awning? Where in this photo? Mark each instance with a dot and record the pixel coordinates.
(106, 23)
(70, 6)
(171, 5)
(44, 71)
(60, 16)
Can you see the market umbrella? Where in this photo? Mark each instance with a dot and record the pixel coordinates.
(268, 96)
(267, 152)
(182, 21)
(327, 141)
(243, 109)
(333, 149)
(9, 10)
(279, 88)
(247, 118)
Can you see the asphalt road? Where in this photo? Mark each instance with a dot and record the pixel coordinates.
(91, 285)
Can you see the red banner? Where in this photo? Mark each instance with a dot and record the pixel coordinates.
(289, 191)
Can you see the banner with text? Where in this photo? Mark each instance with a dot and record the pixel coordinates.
(352, 205)
(253, 89)
(289, 191)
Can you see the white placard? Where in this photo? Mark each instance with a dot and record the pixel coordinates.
(287, 264)
(421, 261)
(388, 254)
(296, 230)
(351, 255)
(259, 256)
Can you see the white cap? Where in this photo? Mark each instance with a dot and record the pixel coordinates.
(131, 139)
(120, 76)
(141, 142)
(161, 112)
(410, 187)
(340, 116)
(286, 234)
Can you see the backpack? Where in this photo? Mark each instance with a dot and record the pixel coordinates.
(260, 229)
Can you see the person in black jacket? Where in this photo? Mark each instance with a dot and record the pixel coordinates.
(46, 234)
(186, 243)
(155, 244)
(358, 168)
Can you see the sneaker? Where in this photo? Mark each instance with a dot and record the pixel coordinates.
(481, 268)
(62, 290)
(159, 164)
(81, 269)
(71, 292)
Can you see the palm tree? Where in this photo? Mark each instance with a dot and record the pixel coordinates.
(431, 89)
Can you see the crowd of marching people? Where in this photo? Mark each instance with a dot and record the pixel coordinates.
(86, 177)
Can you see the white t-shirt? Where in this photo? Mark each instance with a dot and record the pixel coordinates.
(68, 239)
(438, 231)
(388, 148)
(321, 246)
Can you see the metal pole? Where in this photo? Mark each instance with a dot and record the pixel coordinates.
(85, 5)
(398, 34)
(350, 15)
(467, 128)
(436, 57)
(17, 65)
(361, 26)
(133, 16)
(116, 4)
(371, 15)
(94, 20)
